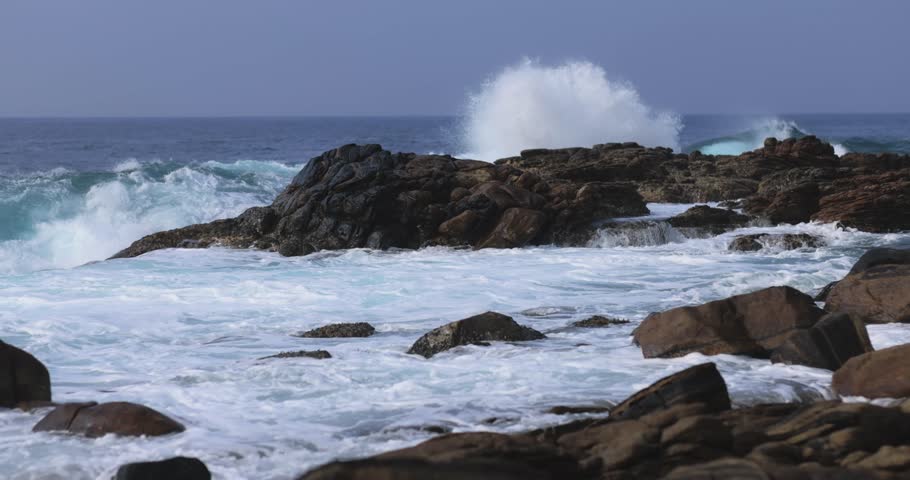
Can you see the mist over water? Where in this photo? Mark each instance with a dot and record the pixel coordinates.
(530, 105)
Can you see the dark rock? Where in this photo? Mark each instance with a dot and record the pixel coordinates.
(177, 468)
(489, 326)
(340, 330)
(751, 324)
(882, 373)
(598, 321)
(793, 205)
(836, 338)
(873, 203)
(577, 409)
(698, 384)
(878, 294)
(881, 256)
(23, 378)
(822, 295)
(714, 220)
(118, 418)
(516, 228)
(784, 241)
(317, 354)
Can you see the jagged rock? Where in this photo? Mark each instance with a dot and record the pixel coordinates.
(317, 354)
(878, 294)
(340, 330)
(785, 241)
(177, 468)
(751, 324)
(793, 205)
(598, 321)
(489, 326)
(836, 338)
(873, 203)
(23, 378)
(119, 418)
(882, 373)
(698, 384)
(713, 220)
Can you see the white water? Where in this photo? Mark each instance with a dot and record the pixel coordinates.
(180, 330)
(754, 138)
(530, 105)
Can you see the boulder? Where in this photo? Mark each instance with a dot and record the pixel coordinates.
(793, 205)
(599, 321)
(881, 256)
(339, 330)
(836, 338)
(119, 418)
(177, 468)
(489, 326)
(699, 384)
(751, 324)
(709, 219)
(23, 378)
(878, 294)
(880, 374)
(783, 241)
(516, 228)
(317, 354)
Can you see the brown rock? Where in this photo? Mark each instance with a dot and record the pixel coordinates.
(784, 241)
(340, 330)
(879, 294)
(836, 338)
(489, 326)
(698, 384)
(118, 418)
(516, 228)
(23, 378)
(317, 354)
(882, 373)
(710, 219)
(873, 203)
(598, 321)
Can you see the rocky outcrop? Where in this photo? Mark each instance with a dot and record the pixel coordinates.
(364, 196)
(709, 219)
(486, 327)
(682, 427)
(339, 330)
(883, 373)
(23, 378)
(783, 241)
(177, 468)
(879, 294)
(317, 354)
(598, 321)
(92, 419)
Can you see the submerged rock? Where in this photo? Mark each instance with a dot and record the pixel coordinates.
(177, 468)
(489, 326)
(23, 378)
(340, 330)
(119, 418)
(317, 354)
(784, 241)
(598, 321)
(882, 373)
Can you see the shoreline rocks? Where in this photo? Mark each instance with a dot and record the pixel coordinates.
(92, 419)
(784, 241)
(340, 330)
(876, 289)
(479, 329)
(23, 378)
(880, 374)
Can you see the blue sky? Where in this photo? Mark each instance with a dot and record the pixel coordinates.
(346, 57)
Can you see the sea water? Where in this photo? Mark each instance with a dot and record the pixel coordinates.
(182, 331)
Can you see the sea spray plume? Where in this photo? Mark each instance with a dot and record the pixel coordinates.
(530, 105)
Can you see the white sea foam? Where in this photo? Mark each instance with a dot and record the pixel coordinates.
(530, 105)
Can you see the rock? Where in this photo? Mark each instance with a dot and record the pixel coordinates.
(822, 294)
(836, 338)
(489, 326)
(698, 384)
(177, 468)
(888, 458)
(881, 256)
(752, 324)
(339, 330)
(516, 228)
(793, 205)
(783, 241)
(118, 418)
(317, 354)
(873, 203)
(23, 378)
(714, 220)
(878, 294)
(598, 321)
(577, 409)
(882, 373)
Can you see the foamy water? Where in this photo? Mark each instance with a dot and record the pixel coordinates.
(181, 331)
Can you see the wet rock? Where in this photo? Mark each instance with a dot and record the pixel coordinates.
(784, 241)
(822, 294)
(882, 373)
(714, 220)
(317, 354)
(23, 378)
(177, 468)
(577, 409)
(878, 294)
(793, 205)
(118, 418)
(489, 326)
(881, 256)
(836, 338)
(873, 203)
(751, 324)
(598, 321)
(340, 330)
(516, 228)
(699, 384)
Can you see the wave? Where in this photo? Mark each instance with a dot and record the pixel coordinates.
(530, 105)
(754, 138)
(62, 219)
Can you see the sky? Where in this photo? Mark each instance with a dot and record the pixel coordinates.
(422, 57)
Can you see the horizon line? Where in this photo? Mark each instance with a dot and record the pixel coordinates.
(383, 115)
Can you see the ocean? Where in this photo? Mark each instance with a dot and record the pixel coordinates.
(181, 330)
